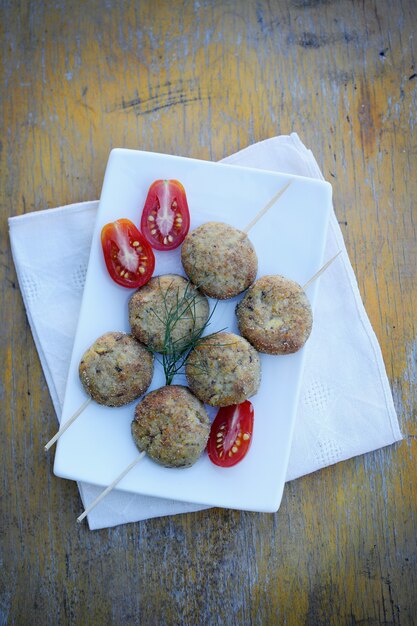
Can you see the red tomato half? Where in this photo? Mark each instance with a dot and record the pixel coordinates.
(165, 218)
(128, 256)
(231, 434)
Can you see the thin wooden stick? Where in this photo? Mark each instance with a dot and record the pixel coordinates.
(321, 270)
(110, 487)
(267, 207)
(67, 424)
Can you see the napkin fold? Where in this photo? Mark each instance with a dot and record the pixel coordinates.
(346, 405)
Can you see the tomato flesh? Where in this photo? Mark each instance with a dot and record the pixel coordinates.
(165, 218)
(129, 258)
(231, 434)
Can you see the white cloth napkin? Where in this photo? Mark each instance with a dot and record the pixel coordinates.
(346, 405)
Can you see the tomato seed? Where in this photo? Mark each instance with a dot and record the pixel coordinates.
(141, 270)
(246, 437)
(153, 231)
(135, 244)
(151, 218)
(234, 449)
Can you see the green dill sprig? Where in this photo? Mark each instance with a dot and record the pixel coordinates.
(175, 352)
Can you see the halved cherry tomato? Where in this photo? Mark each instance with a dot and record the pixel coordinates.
(165, 218)
(129, 258)
(231, 434)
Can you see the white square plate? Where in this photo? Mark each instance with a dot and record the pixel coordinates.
(289, 240)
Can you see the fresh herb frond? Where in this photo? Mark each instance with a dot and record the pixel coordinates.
(177, 308)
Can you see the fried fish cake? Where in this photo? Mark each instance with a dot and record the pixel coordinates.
(116, 369)
(172, 426)
(223, 369)
(167, 303)
(275, 315)
(220, 259)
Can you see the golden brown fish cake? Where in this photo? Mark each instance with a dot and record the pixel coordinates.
(116, 369)
(219, 259)
(223, 369)
(275, 315)
(167, 297)
(172, 426)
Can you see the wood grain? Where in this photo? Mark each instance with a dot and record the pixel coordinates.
(204, 79)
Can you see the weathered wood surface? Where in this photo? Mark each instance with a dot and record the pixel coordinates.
(204, 79)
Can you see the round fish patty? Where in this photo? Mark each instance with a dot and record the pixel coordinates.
(172, 426)
(167, 300)
(116, 369)
(223, 369)
(275, 315)
(219, 259)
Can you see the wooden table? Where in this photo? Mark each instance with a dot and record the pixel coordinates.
(204, 79)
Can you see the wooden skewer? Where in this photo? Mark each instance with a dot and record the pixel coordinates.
(67, 424)
(266, 207)
(321, 270)
(110, 487)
